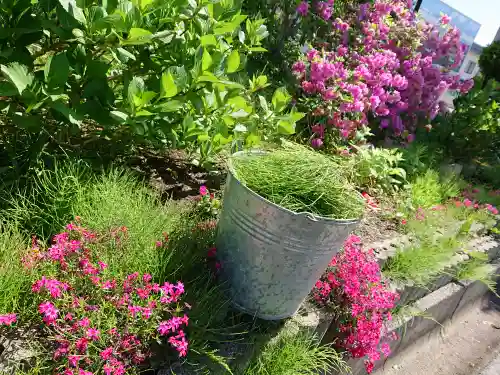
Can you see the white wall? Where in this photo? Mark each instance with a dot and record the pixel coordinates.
(471, 57)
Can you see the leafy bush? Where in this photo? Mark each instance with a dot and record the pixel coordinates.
(489, 61)
(472, 130)
(377, 169)
(167, 74)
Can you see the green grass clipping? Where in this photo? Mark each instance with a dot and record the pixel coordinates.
(299, 179)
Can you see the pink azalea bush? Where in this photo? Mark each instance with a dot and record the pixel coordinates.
(99, 323)
(353, 282)
(381, 67)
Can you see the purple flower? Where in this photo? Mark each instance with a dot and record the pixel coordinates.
(303, 8)
(299, 67)
(374, 101)
(324, 10)
(316, 143)
(445, 19)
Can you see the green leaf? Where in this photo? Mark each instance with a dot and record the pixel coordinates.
(71, 7)
(188, 123)
(30, 123)
(137, 36)
(241, 36)
(57, 70)
(18, 75)
(170, 106)
(194, 132)
(168, 86)
(7, 89)
(203, 137)
(135, 88)
(206, 61)
(263, 103)
(280, 100)
(286, 127)
(121, 117)
(208, 40)
(207, 77)
(225, 28)
(124, 55)
(62, 108)
(233, 62)
(257, 49)
(240, 128)
(144, 113)
(144, 98)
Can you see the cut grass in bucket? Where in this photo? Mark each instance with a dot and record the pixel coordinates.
(299, 179)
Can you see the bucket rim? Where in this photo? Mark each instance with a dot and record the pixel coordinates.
(309, 215)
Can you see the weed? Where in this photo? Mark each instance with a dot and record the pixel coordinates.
(421, 263)
(296, 353)
(478, 269)
(428, 189)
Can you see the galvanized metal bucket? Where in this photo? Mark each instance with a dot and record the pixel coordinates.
(271, 257)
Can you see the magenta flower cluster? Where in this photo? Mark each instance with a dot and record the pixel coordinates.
(353, 281)
(101, 323)
(387, 68)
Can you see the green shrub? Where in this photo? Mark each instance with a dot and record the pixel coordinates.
(489, 61)
(377, 169)
(472, 130)
(155, 73)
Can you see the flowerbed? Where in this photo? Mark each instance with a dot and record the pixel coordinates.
(92, 321)
(353, 286)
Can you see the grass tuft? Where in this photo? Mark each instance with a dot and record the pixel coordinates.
(301, 180)
(297, 353)
(428, 189)
(14, 282)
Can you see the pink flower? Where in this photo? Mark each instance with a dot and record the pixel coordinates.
(147, 277)
(81, 345)
(93, 334)
(102, 265)
(73, 360)
(158, 244)
(386, 349)
(445, 19)
(467, 203)
(299, 67)
(8, 319)
(109, 284)
(203, 190)
(106, 353)
(49, 311)
(211, 252)
(317, 143)
(84, 322)
(303, 8)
